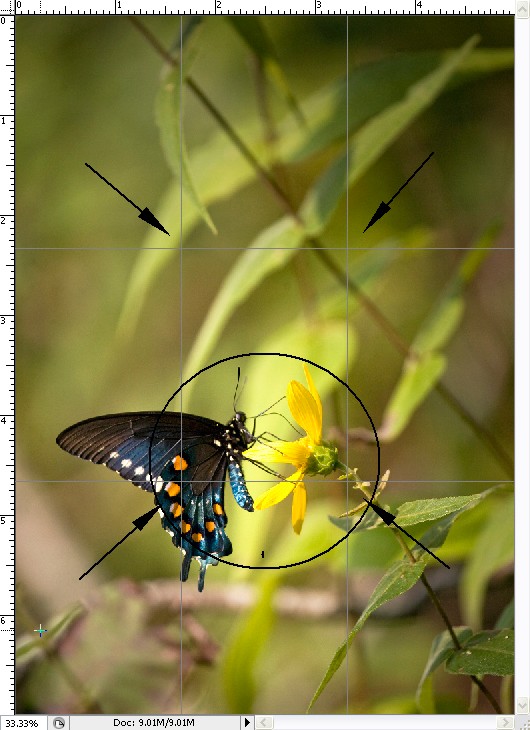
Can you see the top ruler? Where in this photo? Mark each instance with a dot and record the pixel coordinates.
(519, 8)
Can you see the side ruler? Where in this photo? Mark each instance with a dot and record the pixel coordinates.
(7, 364)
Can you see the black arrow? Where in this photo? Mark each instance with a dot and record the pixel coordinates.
(389, 519)
(139, 524)
(385, 207)
(145, 214)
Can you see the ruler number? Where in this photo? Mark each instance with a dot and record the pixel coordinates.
(319, 4)
(2, 321)
(2, 522)
(418, 4)
(218, 4)
(3, 21)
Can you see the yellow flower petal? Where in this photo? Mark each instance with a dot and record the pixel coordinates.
(314, 392)
(280, 452)
(299, 505)
(278, 492)
(305, 410)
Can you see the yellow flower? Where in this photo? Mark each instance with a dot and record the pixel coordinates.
(309, 454)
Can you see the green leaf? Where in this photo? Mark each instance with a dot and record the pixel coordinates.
(369, 522)
(412, 513)
(494, 549)
(419, 377)
(507, 617)
(425, 366)
(168, 118)
(373, 139)
(252, 266)
(424, 510)
(436, 535)
(442, 648)
(251, 30)
(372, 88)
(488, 652)
(399, 579)
(446, 315)
(251, 634)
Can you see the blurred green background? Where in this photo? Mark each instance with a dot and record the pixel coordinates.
(110, 316)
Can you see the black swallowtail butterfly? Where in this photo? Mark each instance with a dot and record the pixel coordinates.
(190, 457)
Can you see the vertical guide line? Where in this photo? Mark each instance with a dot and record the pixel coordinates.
(181, 349)
(346, 542)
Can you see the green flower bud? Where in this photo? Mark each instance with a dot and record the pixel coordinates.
(323, 460)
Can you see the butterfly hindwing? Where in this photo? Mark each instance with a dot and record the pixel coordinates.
(195, 518)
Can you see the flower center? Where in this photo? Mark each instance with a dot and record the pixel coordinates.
(323, 459)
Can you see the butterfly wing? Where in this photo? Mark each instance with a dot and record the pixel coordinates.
(188, 467)
(121, 441)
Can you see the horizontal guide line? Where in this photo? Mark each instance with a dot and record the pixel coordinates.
(263, 248)
(266, 481)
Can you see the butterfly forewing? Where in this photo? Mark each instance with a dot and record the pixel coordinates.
(121, 441)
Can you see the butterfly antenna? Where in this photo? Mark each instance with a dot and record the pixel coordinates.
(269, 407)
(234, 401)
(281, 415)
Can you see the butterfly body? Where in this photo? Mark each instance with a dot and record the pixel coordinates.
(185, 458)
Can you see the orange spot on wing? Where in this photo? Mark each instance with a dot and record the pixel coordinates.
(176, 509)
(173, 489)
(180, 463)
(210, 526)
(185, 527)
(218, 509)
(196, 537)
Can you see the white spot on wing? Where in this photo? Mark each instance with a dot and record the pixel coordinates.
(126, 463)
(159, 483)
(139, 470)
(113, 455)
